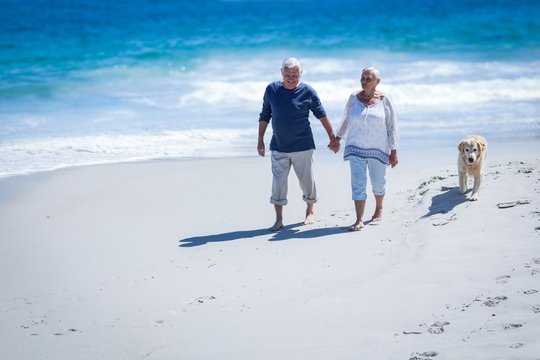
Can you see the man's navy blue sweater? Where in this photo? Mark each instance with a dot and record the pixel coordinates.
(289, 112)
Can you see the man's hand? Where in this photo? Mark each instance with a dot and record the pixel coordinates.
(262, 130)
(260, 147)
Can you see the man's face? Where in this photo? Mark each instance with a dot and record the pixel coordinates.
(291, 77)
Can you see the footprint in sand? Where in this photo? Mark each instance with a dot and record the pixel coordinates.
(516, 345)
(503, 279)
(529, 292)
(443, 221)
(438, 327)
(492, 302)
(426, 355)
(536, 309)
(423, 188)
(66, 332)
(525, 171)
(511, 326)
(510, 204)
(203, 299)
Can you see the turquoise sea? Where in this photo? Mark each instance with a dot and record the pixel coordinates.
(86, 82)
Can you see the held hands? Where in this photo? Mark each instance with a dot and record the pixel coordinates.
(334, 144)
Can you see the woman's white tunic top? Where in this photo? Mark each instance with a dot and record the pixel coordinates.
(372, 131)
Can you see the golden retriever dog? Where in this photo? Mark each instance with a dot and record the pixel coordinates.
(471, 162)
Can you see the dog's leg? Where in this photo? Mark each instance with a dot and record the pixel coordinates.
(462, 182)
(476, 187)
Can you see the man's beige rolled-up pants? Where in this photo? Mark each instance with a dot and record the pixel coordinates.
(302, 163)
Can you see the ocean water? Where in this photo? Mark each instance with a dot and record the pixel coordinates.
(86, 82)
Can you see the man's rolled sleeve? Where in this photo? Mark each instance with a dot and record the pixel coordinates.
(266, 112)
(316, 106)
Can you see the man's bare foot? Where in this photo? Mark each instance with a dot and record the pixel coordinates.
(310, 219)
(277, 226)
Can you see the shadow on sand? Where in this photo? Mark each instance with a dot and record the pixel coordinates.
(440, 204)
(287, 233)
(445, 201)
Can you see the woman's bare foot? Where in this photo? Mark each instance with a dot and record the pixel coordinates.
(377, 216)
(356, 226)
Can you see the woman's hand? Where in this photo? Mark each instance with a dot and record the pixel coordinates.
(393, 158)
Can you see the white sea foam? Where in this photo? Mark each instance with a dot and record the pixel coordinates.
(133, 113)
(241, 82)
(48, 153)
(420, 83)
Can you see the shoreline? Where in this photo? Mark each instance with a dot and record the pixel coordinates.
(411, 145)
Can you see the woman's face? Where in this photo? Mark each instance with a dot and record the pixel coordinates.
(369, 81)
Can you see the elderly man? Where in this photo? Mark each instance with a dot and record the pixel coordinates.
(288, 103)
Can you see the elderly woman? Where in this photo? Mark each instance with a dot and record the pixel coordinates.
(371, 127)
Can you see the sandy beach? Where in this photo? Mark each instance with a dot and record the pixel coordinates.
(135, 212)
(173, 260)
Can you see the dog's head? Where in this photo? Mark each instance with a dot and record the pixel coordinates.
(471, 149)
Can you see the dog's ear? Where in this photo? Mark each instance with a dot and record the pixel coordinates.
(460, 145)
(482, 145)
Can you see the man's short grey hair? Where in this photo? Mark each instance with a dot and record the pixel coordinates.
(291, 63)
(374, 71)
